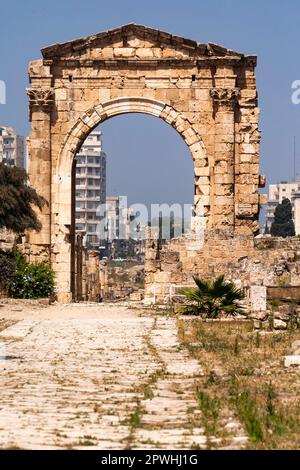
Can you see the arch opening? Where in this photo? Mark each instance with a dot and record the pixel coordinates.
(118, 202)
(63, 203)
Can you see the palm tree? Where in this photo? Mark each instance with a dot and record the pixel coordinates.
(211, 298)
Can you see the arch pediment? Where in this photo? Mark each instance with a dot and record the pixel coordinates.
(135, 42)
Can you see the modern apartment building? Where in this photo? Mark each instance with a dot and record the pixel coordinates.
(123, 237)
(90, 186)
(11, 147)
(119, 219)
(113, 217)
(280, 191)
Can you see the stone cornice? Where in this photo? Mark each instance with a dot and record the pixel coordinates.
(201, 63)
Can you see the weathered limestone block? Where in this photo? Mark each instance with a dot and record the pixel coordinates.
(258, 298)
(279, 324)
(259, 315)
(293, 360)
(124, 52)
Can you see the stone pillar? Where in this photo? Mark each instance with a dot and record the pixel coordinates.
(39, 164)
(93, 276)
(84, 274)
(152, 264)
(247, 179)
(103, 275)
(224, 103)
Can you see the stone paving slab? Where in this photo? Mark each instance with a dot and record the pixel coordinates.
(98, 379)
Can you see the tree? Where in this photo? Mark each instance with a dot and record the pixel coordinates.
(283, 225)
(211, 298)
(16, 201)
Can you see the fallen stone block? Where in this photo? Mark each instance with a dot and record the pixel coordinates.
(136, 296)
(292, 361)
(263, 315)
(279, 325)
(281, 316)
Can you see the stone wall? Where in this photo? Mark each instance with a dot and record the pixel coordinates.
(279, 317)
(7, 240)
(253, 264)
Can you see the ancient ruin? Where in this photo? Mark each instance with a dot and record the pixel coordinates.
(205, 91)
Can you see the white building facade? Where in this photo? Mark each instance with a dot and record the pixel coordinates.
(11, 147)
(90, 188)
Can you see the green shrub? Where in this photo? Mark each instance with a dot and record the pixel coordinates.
(31, 281)
(10, 261)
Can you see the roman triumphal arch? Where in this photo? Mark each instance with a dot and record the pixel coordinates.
(205, 91)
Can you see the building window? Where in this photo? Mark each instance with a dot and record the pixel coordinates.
(92, 205)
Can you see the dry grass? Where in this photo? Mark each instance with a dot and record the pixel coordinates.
(4, 323)
(244, 376)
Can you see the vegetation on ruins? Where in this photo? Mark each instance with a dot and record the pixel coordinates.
(9, 261)
(283, 225)
(17, 200)
(248, 382)
(22, 280)
(213, 297)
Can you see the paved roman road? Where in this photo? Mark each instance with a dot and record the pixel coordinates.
(88, 376)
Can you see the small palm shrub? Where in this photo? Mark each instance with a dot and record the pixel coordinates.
(213, 298)
(31, 281)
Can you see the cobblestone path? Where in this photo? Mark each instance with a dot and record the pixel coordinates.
(110, 380)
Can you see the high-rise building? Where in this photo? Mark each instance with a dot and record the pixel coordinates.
(125, 234)
(90, 186)
(113, 217)
(11, 147)
(280, 191)
(119, 219)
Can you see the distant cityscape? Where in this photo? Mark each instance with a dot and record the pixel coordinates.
(90, 194)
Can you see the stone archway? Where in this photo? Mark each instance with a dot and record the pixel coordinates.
(62, 178)
(205, 91)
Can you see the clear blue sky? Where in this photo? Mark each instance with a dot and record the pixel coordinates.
(268, 28)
